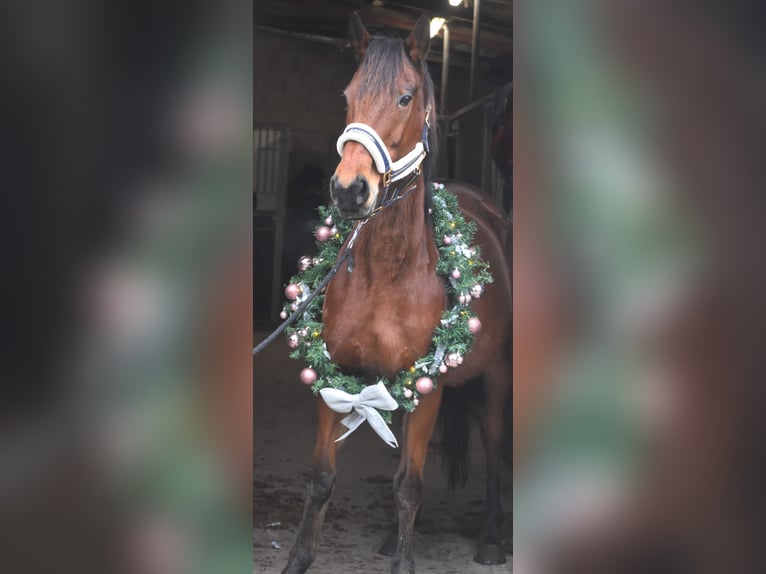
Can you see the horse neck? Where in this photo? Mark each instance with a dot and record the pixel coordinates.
(396, 239)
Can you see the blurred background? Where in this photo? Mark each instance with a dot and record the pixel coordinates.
(127, 404)
(638, 287)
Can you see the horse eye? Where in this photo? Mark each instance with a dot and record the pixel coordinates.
(405, 100)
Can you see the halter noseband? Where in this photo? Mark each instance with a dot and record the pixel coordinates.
(390, 170)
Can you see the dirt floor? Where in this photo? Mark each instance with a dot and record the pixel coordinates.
(362, 508)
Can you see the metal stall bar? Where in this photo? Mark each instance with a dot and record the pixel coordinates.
(271, 146)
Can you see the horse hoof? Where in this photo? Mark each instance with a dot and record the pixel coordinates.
(388, 548)
(490, 554)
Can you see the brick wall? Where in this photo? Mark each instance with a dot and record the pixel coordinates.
(299, 82)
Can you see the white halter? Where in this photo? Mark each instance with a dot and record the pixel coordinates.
(373, 143)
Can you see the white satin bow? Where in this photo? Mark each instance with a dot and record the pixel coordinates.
(362, 407)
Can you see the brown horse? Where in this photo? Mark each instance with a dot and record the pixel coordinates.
(379, 318)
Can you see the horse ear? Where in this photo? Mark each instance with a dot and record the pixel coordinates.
(419, 40)
(358, 35)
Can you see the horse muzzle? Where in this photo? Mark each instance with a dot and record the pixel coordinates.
(353, 201)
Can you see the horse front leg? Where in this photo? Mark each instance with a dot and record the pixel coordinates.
(408, 481)
(319, 487)
(497, 382)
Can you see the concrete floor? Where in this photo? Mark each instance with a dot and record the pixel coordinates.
(362, 507)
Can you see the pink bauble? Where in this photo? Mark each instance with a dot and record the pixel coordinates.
(333, 230)
(407, 393)
(447, 240)
(308, 376)
(456, 273)
(474, 325)
(442, 368)
(283, 315)
(459, 360)
(424, 385)
(292, 341)
(323, 233)
(294, 307)
(461, 299)
(292, 291)
(476, 291)
(328, 221)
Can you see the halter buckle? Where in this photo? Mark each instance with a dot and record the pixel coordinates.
(387, 178)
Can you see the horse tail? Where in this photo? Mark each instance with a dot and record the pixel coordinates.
(457, 405)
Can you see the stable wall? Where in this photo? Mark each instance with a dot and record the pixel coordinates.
(299, 82)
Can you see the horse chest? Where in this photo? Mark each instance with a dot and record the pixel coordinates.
(380, 336)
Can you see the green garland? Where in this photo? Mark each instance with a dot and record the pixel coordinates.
(465, 275)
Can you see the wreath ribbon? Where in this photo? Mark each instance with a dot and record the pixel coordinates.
(362, 406)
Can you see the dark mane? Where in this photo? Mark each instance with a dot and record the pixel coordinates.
(380, 67)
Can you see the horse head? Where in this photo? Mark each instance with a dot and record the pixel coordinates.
(389, 101)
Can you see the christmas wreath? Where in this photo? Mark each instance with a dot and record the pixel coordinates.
(465, 275)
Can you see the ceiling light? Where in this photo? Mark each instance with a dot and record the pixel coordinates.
(455, 2)
(436, 25)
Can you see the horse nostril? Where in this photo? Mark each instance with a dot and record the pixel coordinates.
(349, 198)
(361, 189)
